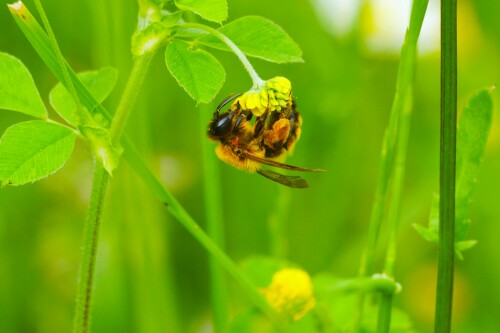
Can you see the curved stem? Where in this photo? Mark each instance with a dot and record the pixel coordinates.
(377, 283)
(257, 81)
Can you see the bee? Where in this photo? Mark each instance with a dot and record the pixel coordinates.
(267, 141)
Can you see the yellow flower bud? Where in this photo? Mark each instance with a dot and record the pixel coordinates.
(273, 95)
(291, 293)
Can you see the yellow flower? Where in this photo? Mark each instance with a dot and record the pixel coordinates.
(272, 95)
(291, 293)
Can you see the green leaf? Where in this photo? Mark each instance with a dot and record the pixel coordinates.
(464, 246)
(212, 10)
(102, 147)
(472, 136)
(17, 88)
(258, 37)
(100, 83)
(197, 71)
(33, 150)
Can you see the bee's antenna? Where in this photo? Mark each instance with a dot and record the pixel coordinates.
(229, 99)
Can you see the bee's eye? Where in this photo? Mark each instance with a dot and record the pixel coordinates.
(221, 125)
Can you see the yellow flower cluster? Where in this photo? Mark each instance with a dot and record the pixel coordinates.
(291, 293)
(273, 95)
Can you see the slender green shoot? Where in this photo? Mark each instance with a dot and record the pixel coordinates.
(141, 65)
(444, 294)
(89, 255)
(392, 165)
(257, 81)
(215, 226)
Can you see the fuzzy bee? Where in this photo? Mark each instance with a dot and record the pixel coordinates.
(267, 141)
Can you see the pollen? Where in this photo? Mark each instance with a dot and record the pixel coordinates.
(274, 95)
(291, 293)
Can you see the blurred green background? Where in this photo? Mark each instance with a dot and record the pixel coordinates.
(152, 276)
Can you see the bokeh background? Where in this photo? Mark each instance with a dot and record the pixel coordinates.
(152, 276)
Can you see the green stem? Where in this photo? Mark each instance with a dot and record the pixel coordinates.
(408, 57)
(384, 313)
(257, 81)
(215, 228)
(444, 294)
(91, 240)
(141, 65)
(376, 283)
(392, 163)
(99, 188)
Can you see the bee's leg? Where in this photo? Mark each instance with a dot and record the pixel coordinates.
(295, 130)
(260, 123)
(244, 115)
(276, 137)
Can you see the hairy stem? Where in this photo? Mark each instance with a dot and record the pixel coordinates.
(444, 294)
(89, 256)
(99, 188)
(257, 81)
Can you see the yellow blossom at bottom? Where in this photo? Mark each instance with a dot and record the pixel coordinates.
(291, 293)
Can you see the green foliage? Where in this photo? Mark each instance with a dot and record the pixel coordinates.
(472, 136)
(212, 10)
(197, 71)
(33, 150)
(99, 83)
(258, 37)
(17, 88)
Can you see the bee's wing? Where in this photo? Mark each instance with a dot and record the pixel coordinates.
(275, 164)
(290, 181)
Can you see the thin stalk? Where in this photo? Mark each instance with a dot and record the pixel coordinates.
(141, 65)
(257, 81)
(392, 163)
(89, 255)
(379, 283)
(444, 294)
(99, 189)
(384, 313)
(215, 228)
(397, 183)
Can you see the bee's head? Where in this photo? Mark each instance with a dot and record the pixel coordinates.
(220, 125)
